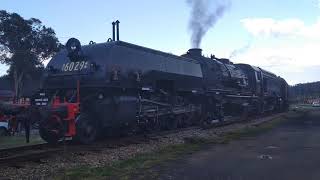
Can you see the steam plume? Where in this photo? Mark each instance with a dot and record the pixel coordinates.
(241, 50)
(203, 18)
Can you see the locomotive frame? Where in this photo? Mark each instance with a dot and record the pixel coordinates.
(117, 88)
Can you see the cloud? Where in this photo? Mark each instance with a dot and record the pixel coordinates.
(283, 60)
(287, 47)
(304, 55)
(281, 28)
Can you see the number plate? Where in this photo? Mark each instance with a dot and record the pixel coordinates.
(41, 99)
(75, 66)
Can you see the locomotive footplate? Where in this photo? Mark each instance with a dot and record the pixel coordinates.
(156, 111)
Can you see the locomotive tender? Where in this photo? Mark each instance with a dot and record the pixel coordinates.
(118, 88)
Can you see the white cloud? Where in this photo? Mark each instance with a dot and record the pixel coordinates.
(286, 47)
(281, 28)
(301, 56)
(285, 61)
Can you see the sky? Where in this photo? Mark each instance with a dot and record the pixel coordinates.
(280, 36)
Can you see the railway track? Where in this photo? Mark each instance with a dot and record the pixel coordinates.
(12, 156)
(34, 153)
(22, 148)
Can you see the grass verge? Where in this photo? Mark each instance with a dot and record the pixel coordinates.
(18, 140)
(140, 165)
(131, 167)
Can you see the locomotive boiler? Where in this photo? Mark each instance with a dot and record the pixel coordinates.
(116, 88)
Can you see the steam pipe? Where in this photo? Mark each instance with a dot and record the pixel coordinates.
(117, 23)
(113, 31)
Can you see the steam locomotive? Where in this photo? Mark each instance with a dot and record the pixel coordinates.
(117, 88)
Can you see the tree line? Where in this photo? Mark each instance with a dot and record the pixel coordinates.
(305, 92)
(24, 45)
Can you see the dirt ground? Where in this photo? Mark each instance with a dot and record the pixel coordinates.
(289, 151)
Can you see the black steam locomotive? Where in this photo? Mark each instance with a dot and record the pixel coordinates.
(119, 88)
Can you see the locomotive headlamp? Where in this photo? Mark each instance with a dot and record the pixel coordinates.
(73, 47)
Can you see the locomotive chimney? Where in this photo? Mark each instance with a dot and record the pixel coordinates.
(195, 52)
(117, 23)
(113, 31)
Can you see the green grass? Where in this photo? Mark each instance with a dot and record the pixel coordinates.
(304, 106)
(131, 167)
(16, 141)
(140, 166)
(252, 130)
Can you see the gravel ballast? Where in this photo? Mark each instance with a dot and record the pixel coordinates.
(106, 156)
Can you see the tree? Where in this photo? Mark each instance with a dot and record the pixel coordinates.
(24, 45)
